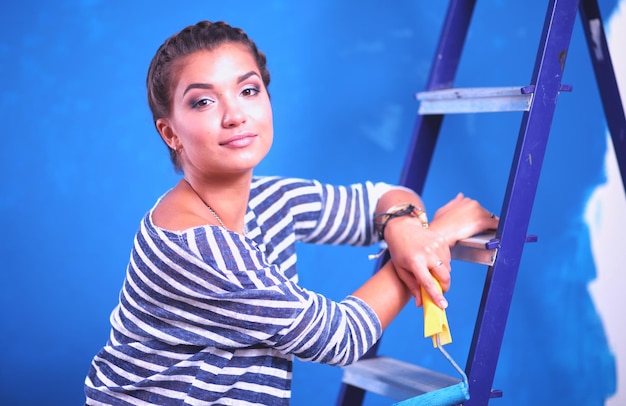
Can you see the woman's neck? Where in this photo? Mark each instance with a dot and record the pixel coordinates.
(226, 198)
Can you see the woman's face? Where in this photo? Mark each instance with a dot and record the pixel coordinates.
(221, 117)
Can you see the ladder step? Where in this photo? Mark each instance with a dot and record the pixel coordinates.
(481, 248)
(475, 100)
(394, 379)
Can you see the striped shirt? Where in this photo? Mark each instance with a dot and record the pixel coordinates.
(209, 316)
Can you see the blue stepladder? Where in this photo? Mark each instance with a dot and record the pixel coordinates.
(500, 251)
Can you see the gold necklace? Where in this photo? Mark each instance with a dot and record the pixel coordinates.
(219, 220)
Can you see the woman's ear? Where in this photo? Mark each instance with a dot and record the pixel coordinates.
(167, 133)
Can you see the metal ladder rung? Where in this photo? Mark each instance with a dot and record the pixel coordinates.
(481, 248)
(475, 100)
(394, 379)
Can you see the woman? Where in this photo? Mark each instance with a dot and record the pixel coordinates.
(211, 311)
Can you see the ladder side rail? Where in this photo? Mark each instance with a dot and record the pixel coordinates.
(519, 198)
(451, 44)
(350, 395)
(426, 130)
(605, 77)
(442, 73)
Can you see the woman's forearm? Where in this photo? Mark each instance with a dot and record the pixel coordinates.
(385, 293)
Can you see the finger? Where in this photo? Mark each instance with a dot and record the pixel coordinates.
(411, 283)
(493, 221)
(418, 298)
(432, 289)
(441, 272)
(417, 277)
(439, 265)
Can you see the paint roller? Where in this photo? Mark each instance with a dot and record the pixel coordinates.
(436, 327)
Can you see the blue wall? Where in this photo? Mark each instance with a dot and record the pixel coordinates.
(82, 163)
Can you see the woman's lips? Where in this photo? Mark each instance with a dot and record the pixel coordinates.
(239, 141)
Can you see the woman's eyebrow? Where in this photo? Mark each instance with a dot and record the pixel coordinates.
(246, 76)
(210, 86)
(198, 86)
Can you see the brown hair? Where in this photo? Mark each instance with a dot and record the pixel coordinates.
(163, 69)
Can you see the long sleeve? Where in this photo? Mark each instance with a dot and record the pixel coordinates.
(212, 287)
(210, 316)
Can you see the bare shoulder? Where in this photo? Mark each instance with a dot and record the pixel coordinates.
(176, 211)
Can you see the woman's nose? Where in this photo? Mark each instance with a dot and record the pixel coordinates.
(233, 114)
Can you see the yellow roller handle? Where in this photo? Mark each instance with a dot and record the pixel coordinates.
(435, 320)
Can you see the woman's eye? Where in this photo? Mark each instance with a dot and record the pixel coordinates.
(250, 91)
(201, 103)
